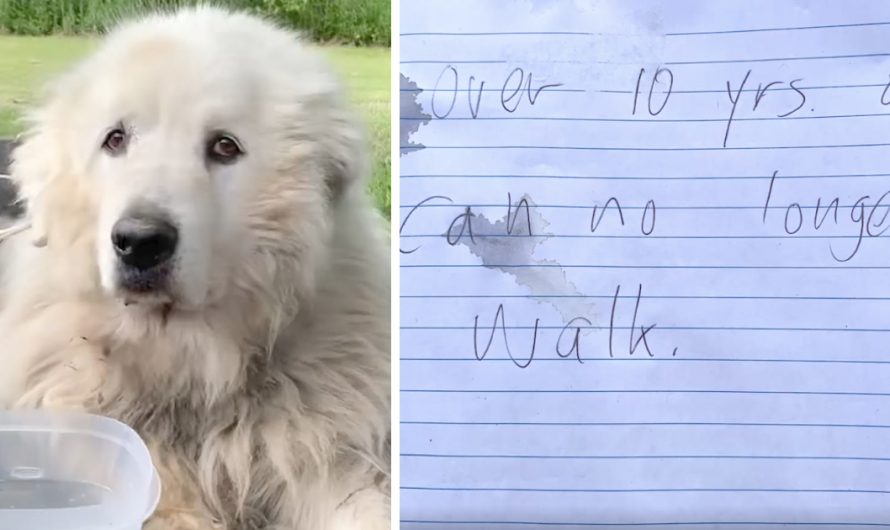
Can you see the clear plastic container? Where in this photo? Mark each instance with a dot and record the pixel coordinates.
(73, 471)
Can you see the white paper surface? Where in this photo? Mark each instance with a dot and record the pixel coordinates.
(760, 394)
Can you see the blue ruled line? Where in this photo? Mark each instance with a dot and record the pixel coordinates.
(670, 63)
(645, 524)
(643, 120)
(825, 207)
(638, 391)
(635, 207)
(647, 490)
(678, 267)
(653, 296)
(643, 424)
(642, 457)
(474, 90)
(646, 178)
(469, 61)
(660, 328)
(755, 90)
(604, 236)
(493, 33)
(673, 92)
(672, 34)
(787, 28)
(779, 59)
(647, 359)
(646, 149)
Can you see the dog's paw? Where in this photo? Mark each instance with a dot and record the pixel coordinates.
(70, 378)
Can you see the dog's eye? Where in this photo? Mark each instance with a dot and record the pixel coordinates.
(115, 141)
(224, 149)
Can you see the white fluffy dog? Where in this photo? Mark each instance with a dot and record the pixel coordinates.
(202, 264)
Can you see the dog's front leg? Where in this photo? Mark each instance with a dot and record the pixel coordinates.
(53, 357)
(180, 506)
(69, 378)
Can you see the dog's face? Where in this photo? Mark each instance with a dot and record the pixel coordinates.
(174, 146)
(203, 144)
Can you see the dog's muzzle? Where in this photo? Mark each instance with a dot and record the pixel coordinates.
(144, 244)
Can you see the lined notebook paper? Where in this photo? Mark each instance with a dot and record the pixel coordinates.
(645, 273)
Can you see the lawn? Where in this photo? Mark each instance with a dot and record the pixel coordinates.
(26, 63)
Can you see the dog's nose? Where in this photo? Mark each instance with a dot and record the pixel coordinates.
(143, 242)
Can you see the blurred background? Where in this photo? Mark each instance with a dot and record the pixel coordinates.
(40, 38)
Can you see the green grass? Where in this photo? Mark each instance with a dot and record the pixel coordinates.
(362, 22)
(27, 63)
(366, 74)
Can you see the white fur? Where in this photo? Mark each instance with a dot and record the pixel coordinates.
(262, 383)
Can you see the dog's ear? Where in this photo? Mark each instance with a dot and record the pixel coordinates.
(344, 160)
(38, 162)
(32, 169)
